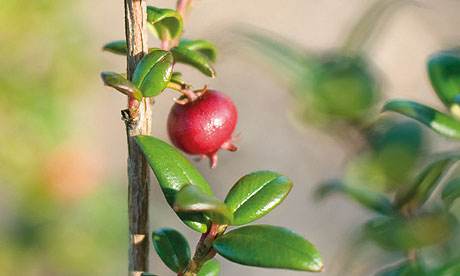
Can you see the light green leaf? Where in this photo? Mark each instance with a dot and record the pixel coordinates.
(269, 246)
(444, 71)
(173, 171)
(210, 268)
(121, 84)
(256, 194)
(190, 57)
(118, 47)
(434, 119)
(153, 72)
(192, 199)
(204, 47)
(166, 24)
(451, 268)
(451, 192)
(172, 248)
(176, 78)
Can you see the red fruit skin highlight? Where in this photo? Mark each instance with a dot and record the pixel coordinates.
(204, 126)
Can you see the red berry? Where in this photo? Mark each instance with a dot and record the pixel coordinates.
(204, 125)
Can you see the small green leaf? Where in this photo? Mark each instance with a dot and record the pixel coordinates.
(190, 57)
(118, 47)
(398, 233)
(174, 171)
(166, 23)
(269, 246)
(451, 192)
(210, 268)
(192, 199)
(256, 194)
(153, 72)
(204, 47)
(366, 197)
(121, 84)
(404, 269)
(452, 268)
(419, 191)
(148, 274)
(175, 78)
(444, 71)
(434, 119)
(172, 248)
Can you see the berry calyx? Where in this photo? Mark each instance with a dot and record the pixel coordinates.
(203, 125)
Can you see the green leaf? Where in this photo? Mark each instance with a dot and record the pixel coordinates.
(434, 119)
(419, 191)
(366, 197)
(256, 194)
(404, 269)
(153, 72)
(173, 171)
(172, 248)
(192, 199)
(118, 47)
(210, 268)
(121, 84)
(444, 71)
(398, 233)
(166, 24)
(190, 57)
(204, 47)
(452, 268)
(451, 192)
(148, 274)
(175, 78)
(269, 246)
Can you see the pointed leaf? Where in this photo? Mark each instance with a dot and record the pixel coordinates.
(173, 171)
(190, 57)
(192, 199)
(398, 233)
(419, 191)
(366, 197)
(210, 268)
(118, 47)
(166, 23)
(121, 84)
(451, 192)
(444, 71)
(434, 119)
(269, 246)
(153, 72)
(256, 194)
(172, 248)
(204, 47)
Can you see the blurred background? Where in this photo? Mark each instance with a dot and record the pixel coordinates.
(63, 176)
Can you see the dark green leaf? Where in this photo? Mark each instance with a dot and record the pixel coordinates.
(452, 268)
(269, 246)
(192, 199)
(147, 274)
(121, 84)
(173, 172)
(210, 268)
(256, 194)
(190, 57)
(404, 269)
(444, 71)
(153, 72)
(117, 47)
(451, 192)
(204, 47)
(398, 233)
(172, 248)
(434, 119)
(166, 24)
(419, 191)
(366, 197)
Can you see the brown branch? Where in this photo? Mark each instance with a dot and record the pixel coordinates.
(138, 122)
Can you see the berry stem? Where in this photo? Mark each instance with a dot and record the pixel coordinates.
(184, 89)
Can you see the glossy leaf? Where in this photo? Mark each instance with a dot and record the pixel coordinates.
(190, 57)
(153, 72)
(419, 191)
(172, 248)
(398, 233)
(434, 119)
(269, 246)
(166, 24)
(256, 194)
(175, 78)
(366, 197)
(121, 84)
(173, 171)
(444, 71)
(210, 268)
(451, 192)
(118, 47)
(192, 199)
(204, 47)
